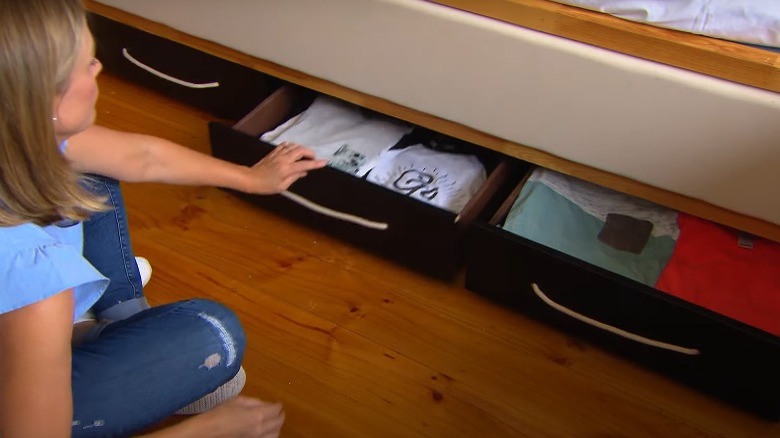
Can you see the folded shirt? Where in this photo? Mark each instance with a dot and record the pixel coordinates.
(446, 180)
(722, 270)
(619, 233)
(344, 135)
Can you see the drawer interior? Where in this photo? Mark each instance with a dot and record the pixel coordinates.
(282, 104)
(498, 217)
(698, 346)
(289, 100)
(398, 221)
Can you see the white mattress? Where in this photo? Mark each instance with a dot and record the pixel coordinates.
(692, 134)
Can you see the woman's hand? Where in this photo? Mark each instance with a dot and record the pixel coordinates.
(244, 417)
(145, 158)
(287, 163)
(238, 417)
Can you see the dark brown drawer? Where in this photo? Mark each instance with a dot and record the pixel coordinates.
(407, 230)
(701, 348)
(225, 89)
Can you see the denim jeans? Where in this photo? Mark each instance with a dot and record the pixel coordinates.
(148, 362)
(107, 247)
(143, 368)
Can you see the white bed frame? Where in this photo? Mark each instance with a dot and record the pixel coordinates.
(687, 133)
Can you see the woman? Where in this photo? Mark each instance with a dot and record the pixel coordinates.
(146, 363)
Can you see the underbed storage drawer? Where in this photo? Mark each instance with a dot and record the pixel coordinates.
(713, 353)
(402, 223)
(225, 89)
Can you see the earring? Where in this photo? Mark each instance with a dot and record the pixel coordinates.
(54, 119)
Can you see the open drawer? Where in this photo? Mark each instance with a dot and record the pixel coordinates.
(415, 233)
(702, 348)
(225, 89)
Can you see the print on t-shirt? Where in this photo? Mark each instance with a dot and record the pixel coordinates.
(347, 159)
(349, 138)
(442, 179)
(413, 181)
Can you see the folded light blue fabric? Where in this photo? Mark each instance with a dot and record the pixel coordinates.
(542, 215)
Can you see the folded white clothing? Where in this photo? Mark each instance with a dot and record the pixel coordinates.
(444, 179)
(340, 133)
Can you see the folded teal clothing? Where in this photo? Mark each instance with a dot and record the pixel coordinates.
(544, 216)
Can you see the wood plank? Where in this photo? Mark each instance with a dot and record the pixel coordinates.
(711, 56)
(356, 346)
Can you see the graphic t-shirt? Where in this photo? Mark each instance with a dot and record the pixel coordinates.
(346, 136)
(446, 180)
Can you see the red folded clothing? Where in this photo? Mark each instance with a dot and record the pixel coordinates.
(722, 270)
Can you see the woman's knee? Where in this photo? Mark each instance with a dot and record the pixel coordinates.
(223, 323)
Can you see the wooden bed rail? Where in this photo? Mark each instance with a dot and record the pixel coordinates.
(711, 56)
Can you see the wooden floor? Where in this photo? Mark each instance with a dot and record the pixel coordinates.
(356, 346)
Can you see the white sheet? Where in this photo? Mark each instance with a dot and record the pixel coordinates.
(745, 21)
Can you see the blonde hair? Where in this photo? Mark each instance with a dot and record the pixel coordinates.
(39, 43)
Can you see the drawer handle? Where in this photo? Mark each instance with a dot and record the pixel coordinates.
(334, 213)
(162, 75)
(611, 329)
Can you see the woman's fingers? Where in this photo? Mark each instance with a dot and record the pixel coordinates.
(296, 150)
(287, 163)
(300, 158)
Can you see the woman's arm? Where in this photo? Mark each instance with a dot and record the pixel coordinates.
(35, 364)
(143, 158)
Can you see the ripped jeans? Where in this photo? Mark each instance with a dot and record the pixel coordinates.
(142, 369)
(149, 362)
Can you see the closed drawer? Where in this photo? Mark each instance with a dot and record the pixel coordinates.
(704, 349)
(407, 230)
(225, 89)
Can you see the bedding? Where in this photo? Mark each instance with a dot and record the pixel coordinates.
(746, 21)
(536, 96)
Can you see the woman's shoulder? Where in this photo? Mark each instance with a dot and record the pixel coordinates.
(39, 261)
(29, 235)
(24, 235)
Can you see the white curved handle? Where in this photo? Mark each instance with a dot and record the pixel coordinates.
(162, 75)
(611, 329)
(334, 213)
